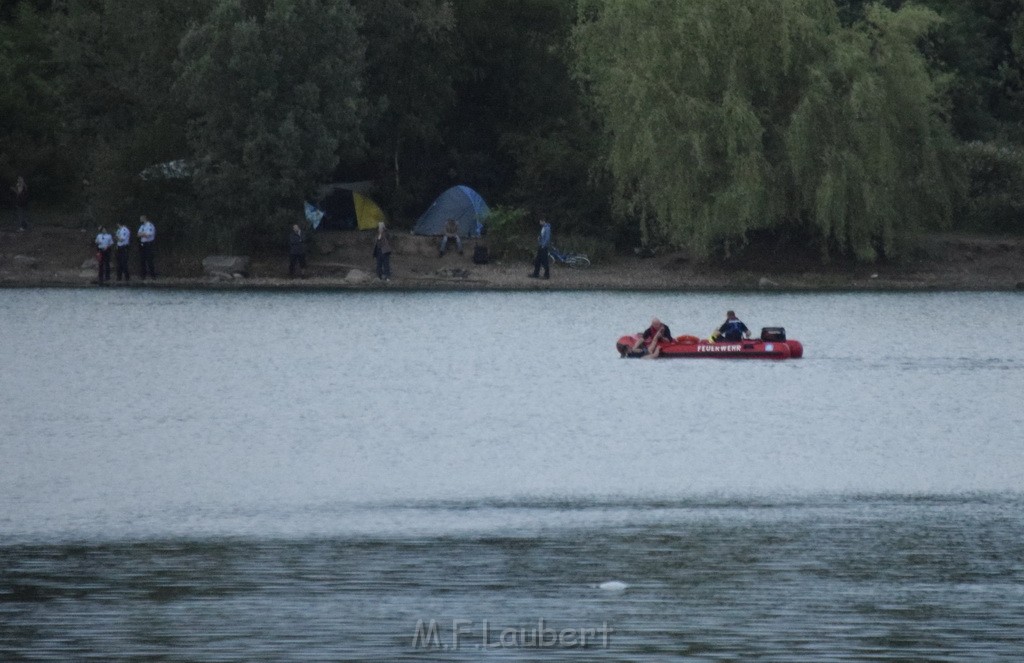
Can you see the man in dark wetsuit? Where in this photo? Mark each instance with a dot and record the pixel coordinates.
(650, 341)
(732, 329)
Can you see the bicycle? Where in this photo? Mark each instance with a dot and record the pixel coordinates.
(574, 260)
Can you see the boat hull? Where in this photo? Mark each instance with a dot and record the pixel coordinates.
(691, 348)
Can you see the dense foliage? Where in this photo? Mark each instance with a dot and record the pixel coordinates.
(274, 94)
(29, 121)
(695, 123)
(731, 117)
(114, 65)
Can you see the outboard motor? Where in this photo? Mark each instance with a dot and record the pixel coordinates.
(773, 334)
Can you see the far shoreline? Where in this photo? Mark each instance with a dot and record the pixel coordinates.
(53, 257)
(398, 284)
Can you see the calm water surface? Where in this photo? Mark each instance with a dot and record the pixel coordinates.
(310, 476)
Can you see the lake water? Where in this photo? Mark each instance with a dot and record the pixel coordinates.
(335, 476)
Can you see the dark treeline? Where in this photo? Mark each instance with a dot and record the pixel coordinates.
(837, 124)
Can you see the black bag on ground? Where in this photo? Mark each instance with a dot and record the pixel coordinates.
(480, 255)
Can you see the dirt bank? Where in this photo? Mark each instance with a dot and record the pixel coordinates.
(60, 256)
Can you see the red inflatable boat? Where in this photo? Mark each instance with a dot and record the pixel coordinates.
(773, 344)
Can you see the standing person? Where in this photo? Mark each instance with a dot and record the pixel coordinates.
(103, 243)
(147, 236)
(451, 232)
(382, 252)
(297, 251)
(20, 190)
(543, 259)
(124, 238)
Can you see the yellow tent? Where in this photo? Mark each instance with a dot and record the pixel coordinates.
(347, 207)
(368, 214)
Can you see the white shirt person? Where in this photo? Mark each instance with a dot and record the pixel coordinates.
(147, 231)
(147, 236)
(124, 238)
(103, 243)
(103, 240)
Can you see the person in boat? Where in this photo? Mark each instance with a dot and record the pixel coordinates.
(732, 329)
(649, 343)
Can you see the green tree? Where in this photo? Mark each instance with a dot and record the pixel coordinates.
(29, 122)
(116, 74)
(522, 131)
(409, 63)
(275, 91)
(725, 118)
(867, 144)
(974, 47)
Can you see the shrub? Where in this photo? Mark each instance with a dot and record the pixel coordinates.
(995, 194)
(509, 234)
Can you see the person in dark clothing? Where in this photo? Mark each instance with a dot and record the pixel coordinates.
(297, 252)
(732, 329)
(543, 259)
(652, 338)
(20, 190)
(382, 252)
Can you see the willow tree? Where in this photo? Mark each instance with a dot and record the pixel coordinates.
(726, 117)
(869, 150)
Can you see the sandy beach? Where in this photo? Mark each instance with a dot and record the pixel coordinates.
(64, 257)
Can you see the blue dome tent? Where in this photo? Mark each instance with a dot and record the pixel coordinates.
(460, 203)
